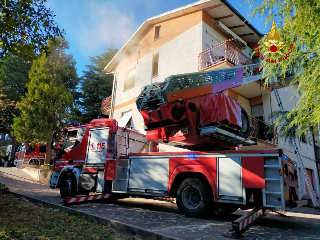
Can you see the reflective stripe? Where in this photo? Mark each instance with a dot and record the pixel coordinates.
(248, 220)
(87, 198)
(67, 161)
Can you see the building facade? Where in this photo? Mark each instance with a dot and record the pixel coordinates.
(206, 35)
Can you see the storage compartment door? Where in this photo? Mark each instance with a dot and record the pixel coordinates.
(97, 147)
(229, 179)
(149, 175)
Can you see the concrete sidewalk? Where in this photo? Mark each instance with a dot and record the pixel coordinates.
(153, 219)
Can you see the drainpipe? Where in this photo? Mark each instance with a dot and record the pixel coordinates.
(112, 94)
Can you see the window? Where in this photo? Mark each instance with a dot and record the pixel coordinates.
(129, 82)
(42, 149)
(295, 175)
(286, 171)
(70, 139)
(157, 32)
(30, 149)
(155, 65)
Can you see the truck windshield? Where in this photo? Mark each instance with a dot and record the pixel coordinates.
(72, 139)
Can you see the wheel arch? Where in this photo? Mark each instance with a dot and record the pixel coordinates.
(65, 171)
(181, 173)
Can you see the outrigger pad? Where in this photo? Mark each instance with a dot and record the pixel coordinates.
(243, 223)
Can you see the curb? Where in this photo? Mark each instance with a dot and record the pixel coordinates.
(103, 221)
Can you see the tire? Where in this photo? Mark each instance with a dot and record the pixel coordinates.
(245, 129)
(68, 186)
(33, 161)
(194, 198)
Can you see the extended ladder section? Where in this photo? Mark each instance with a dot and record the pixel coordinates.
(189, 85)
(313, 196)
(215, 131)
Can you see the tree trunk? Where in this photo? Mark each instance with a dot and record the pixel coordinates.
(14, 148)
(48, 152)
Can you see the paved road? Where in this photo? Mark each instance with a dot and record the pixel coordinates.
(164, 218)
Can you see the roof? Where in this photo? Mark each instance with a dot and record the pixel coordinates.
(106, 104)
(225, 13)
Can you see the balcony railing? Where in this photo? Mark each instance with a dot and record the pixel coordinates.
(222, 52)
(259, 130)
(106, 105)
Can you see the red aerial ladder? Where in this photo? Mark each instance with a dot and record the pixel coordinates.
(191, 110)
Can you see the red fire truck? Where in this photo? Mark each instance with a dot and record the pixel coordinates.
(102, 157)
(29, 154)
(188, 111)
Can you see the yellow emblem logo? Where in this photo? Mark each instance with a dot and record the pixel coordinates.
(273, 44)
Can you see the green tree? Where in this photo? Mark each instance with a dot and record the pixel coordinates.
(13, 79)
(46, 106)
(95, 85)
(25, 27)
(299, 25)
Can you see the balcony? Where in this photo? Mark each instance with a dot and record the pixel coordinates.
(259, 130)
(222, 52)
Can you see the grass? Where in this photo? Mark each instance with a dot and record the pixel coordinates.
(21, 219)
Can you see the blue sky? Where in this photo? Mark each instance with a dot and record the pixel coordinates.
(91, 26)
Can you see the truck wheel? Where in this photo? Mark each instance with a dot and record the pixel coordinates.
(245, 129)
(68, 186)
(33, 161)
(194, 199)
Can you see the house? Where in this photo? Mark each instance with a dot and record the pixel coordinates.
(205, 35)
